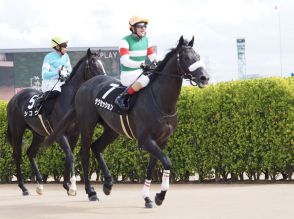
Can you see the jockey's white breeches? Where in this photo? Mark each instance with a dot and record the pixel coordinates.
(47, 85)
(129, 77)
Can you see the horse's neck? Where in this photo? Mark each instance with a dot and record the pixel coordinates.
(77, 80)
(166, 89)
(72, 86)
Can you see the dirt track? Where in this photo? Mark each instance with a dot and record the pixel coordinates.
(125, 202)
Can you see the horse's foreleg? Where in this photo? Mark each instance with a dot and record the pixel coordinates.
(69, 171)
(152, 147)
(164, 187)
(32, 153)
(98, 147)
(146, 187)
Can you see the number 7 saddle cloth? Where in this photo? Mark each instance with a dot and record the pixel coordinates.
(105, 98)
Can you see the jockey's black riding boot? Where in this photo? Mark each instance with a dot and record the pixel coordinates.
(123, 100)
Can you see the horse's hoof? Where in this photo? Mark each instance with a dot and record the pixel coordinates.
(107, 189)
(72, 192)
(93, 197)
(25, 193)
(66, 187)
(158, 201)
(39, 189)
(148, 203)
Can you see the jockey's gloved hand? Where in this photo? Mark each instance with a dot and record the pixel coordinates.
(154, 64)
(145, 67)
(63, 74)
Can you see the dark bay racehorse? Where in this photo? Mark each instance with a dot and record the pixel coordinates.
(87, 67)
(152, 120)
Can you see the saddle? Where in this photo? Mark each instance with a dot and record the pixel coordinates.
(31, 111)
(105, 98)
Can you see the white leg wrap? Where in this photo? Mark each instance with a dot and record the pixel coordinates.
(73, 187)
(39, 189)
(73, 184)
(146, 188)
(165, 180)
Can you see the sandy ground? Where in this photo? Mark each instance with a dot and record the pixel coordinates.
(182, 201)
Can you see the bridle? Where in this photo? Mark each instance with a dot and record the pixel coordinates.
(182, 73)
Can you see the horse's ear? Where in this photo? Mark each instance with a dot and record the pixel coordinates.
(89, 53)
(98, 53)
(191, 42)
(181, 41)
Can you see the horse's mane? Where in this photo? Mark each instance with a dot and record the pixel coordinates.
(172, 51)
(76, 67)
(162, 64)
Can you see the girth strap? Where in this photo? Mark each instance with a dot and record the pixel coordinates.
(125, 124)
(43, 124)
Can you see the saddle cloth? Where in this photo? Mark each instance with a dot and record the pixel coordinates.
(29, 110)
(105, 98)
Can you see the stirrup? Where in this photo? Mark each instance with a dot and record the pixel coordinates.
(121, 100)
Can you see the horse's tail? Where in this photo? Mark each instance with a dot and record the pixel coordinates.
(8, 135)
(61, 127)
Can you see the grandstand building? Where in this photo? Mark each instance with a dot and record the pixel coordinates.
(21, 68)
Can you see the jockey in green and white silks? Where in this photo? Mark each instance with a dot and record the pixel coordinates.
(55, 63)
(133, 51)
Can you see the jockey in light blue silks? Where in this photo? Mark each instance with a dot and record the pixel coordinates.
(56, 68)
(133, 50)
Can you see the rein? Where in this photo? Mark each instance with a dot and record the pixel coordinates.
(182, 75)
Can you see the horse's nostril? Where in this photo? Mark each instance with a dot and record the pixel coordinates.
(204, 78)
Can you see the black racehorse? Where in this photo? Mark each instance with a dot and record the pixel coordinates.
(22, 104)
(151, 121)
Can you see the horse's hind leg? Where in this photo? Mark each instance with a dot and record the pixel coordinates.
(16, 141)
(73, 139)
(32, 153)
(69, 185)
(87, 130)
(98, 147)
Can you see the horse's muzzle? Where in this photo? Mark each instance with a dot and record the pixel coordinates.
(203, 81)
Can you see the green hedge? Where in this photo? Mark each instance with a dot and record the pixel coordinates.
(232, 130)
